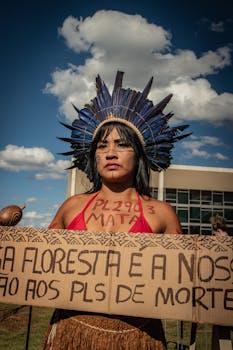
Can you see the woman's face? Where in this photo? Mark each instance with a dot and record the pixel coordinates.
(115, 159)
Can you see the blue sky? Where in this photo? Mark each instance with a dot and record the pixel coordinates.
(51, 52)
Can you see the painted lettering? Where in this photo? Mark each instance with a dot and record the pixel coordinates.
(9, 286)
(125, 293)
(159, 262)
(185, 265)
(8, 258)
(134, 263)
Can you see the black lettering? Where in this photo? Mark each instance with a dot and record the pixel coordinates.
(3, 284)
(100, 291)
(202, 267)
(197, 298)
(166, 298)
(47, 257)
(69, 261)
(59, 256)
(41, 289)
(135, 293)
(9, 286)
(75, 284)
(85, 262)
(182, 296)
(110, 263)
(53, 288)
(228, 299)
(189, 266)
(161, 266)
(35, 263)
(213, 291)
(13, 286)
(8, 257)
(30, 288)
(82, 288)
(133, 263)
(30, 256)
(97, 253)
(224, 268)
(127, 293)
(85, 298)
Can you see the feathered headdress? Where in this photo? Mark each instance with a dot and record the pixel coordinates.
(131, 108)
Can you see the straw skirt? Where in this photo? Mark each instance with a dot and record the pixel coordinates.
(97, 332)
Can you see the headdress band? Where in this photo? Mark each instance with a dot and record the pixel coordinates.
(112, 118)
(131, 108)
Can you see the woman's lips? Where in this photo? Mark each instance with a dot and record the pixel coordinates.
(112, 166)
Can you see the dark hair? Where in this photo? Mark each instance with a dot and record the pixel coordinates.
(141, 179)
(218, 222)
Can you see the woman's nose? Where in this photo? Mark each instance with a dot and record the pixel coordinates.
(111, 152)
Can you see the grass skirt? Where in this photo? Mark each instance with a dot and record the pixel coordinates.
(85, 332)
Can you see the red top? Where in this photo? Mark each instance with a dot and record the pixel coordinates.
(141, 225)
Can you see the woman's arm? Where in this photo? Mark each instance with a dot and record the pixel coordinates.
(57, 221)
(67, 211)
(60, 218)
(171, 220)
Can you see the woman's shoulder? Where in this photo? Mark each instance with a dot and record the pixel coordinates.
(155, 202)
(159, 207)
(77, 199)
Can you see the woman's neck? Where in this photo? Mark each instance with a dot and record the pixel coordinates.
(117, 190)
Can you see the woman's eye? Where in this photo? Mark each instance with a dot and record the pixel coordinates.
(123, 144)
(101, 146)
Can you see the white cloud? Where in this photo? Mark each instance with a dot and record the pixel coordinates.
(196, 100)
(94, 33)
(218, 27)
(31, 200)
(113, 40)
(47, 176)
(33, 215)
(19, 158)
(220, 156)
(35, 219)
(194, 147)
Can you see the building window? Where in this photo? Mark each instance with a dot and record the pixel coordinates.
(217, 198)
(185, 229)
(218, 211)
(205, 216)
(228, 198)
(206, 231)
(154, 192)
(194, 196)
(171, 195)
(183, 214)
(194, 214)
(206, 197)
(195, 208)
(228, 215)
(194, 230)
(183, 197)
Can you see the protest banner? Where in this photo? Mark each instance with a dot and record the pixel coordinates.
(177, 277)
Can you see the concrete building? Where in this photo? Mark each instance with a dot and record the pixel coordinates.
(196, 193)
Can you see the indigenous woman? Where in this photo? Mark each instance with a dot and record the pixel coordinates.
(116, 140)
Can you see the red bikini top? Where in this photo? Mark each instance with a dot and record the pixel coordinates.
(141, 225)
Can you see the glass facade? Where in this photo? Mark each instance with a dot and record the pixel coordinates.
(195, 208)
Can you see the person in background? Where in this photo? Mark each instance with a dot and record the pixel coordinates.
(116, 140)
(219, 227)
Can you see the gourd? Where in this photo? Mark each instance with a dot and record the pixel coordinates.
(11, 215)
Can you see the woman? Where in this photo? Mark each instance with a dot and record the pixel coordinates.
(114, 143)
(219, 227)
